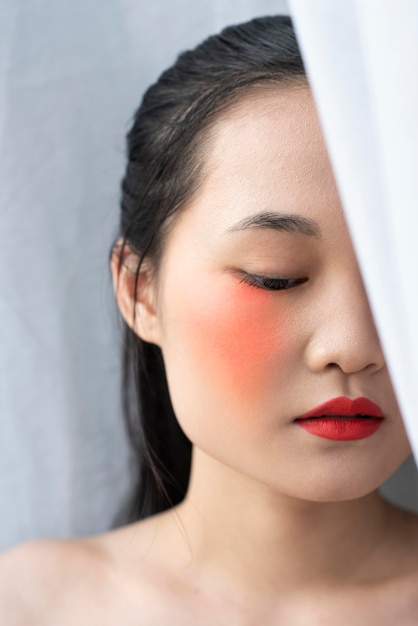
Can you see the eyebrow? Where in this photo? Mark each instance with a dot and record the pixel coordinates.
(279, 221)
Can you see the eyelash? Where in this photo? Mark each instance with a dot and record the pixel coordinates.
(271, 284)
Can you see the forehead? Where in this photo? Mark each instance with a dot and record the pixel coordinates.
(275, 134)
(265, 153)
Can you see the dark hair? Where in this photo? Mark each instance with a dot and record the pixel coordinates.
(165, 147)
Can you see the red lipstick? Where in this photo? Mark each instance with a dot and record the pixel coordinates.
(342, 419)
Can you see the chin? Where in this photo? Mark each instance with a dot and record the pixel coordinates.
(338, 489)
(342, 494)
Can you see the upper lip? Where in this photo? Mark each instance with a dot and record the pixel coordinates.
(344, 406)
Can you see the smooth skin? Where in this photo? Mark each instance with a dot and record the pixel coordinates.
(279, 527)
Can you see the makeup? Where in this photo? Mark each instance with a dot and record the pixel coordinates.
(343, 419)
(241, 339)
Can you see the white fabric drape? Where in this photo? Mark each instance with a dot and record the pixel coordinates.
(361, 59)
(71, 74)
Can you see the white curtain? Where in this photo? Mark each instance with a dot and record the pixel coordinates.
(362, 59)
(71, 74)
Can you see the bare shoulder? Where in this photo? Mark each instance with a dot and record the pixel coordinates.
(41, 577)
(94, 579)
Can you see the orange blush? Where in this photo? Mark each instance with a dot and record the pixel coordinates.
(237, 334)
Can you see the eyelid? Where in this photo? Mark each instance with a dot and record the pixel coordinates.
(269, 283)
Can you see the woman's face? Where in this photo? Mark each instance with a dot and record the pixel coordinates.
(245, 356)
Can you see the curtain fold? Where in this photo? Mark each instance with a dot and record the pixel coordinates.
(361, 59)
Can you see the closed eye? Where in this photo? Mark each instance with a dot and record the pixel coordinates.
(272, 284)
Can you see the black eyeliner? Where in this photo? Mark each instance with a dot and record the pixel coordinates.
(271, 284)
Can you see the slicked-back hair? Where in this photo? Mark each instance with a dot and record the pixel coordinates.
(165, 154)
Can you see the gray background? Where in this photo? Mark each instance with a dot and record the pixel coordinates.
(71, 74)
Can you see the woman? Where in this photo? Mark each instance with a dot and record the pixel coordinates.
(234, 268)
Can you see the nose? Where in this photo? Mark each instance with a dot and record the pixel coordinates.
(344, 335)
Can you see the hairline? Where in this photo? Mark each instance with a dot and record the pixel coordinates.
(203, 140)
(204, 137)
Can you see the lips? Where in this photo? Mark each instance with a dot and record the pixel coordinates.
(344, 406)
(343, 419)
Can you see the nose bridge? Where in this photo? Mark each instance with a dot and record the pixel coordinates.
(345, 334)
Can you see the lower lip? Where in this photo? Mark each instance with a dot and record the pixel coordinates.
(341, 429)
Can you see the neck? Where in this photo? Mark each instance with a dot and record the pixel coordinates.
(241, 533)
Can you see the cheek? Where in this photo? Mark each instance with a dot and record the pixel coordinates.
(236, 339)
